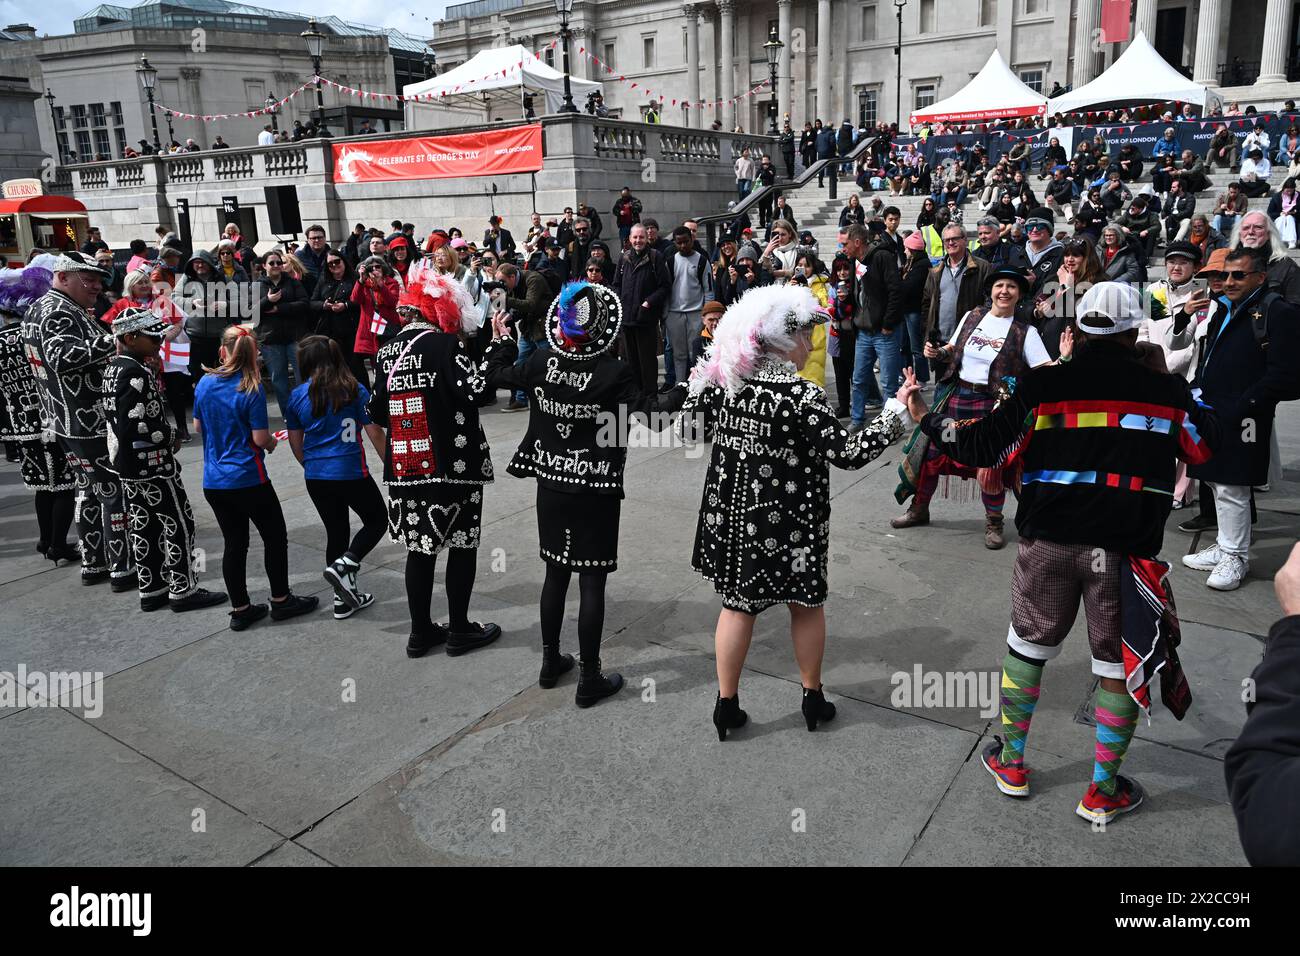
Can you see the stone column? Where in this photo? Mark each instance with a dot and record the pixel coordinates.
(693, 64)
(784, 77)
(1085, 30)
(579, 65)
(726, 51)
(1143, 22)
(1207, 44)
(824, 103)
(1272, 66)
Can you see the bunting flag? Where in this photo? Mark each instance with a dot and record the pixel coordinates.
(247, 114)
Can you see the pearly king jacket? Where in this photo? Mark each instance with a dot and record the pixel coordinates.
(426, 394)
(579, 414)
(139, 437)
(69, 351)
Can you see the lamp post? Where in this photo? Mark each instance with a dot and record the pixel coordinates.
(564, 8)
(148, 77)
(171, 134)
(898, 52)
(315, 43)
(273, 108)
(54, 125)
(773, 48)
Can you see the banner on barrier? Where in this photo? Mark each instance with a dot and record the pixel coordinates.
(494, 152)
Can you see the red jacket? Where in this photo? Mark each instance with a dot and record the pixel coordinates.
(384, 302)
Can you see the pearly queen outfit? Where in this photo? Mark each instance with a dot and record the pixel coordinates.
(765, 512)
(437, 459)
(582, 399)
(44, 463)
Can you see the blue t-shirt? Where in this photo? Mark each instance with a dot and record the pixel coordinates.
(332, 447)
(229, 417)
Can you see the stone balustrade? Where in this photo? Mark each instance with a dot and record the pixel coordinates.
(676, 172)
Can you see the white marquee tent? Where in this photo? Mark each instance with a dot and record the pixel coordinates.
(1140, 75)
(994, 93)
(485, 80)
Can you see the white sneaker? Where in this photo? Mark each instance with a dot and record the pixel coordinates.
(1228, 573)
(1206, 560)
(342, 574)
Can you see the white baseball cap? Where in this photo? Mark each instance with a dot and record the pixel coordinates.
(1117, 301)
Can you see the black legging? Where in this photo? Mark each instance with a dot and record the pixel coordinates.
(462, 563)
(591, 609)
(177, 387)
(234, 509)
(333, 501)
(640, 345)
(843, 365)
(54, 516)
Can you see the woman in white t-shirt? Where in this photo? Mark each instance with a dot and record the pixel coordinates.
(988, 352)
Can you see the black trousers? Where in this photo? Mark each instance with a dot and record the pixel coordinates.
(101, 518)
(333, 501)
(234, 509)
(640, 346)
(843, 365)
(160, 528)
(176, 385)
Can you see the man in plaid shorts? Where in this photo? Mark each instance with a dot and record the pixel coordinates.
(1098, 437)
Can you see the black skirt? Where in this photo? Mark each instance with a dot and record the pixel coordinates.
(429, 517)
(578, 531)
(45, 467)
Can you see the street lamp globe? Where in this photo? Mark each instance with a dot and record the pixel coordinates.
(564, 7)
(314, 38)
(148, 75)
(773, 47)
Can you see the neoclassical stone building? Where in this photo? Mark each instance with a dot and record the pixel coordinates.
(839, 62)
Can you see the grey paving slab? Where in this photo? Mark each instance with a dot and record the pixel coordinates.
(259, 716)
(597, 787)
(1185, 822)
(71, 795)
(53, 623)
(289, 853)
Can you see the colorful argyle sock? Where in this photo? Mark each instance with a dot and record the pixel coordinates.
(1117, 716)
(1019, 697)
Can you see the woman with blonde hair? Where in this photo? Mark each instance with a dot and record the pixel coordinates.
(230, 415)
(765, 508)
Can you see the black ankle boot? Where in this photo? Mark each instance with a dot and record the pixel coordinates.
(554, 664)
(727, 715)
(816, 707)
(594, 686)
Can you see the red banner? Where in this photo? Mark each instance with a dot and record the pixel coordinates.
(514, 149)
(1115, 17)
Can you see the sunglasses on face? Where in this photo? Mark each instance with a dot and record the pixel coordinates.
(274, 263)
(227, 252)
(335, 262)
(1237, 275)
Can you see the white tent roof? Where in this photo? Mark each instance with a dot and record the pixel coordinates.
(501, 68)
(1140, 75)
(994, 93)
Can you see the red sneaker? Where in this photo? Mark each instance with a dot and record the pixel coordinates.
(1097, 805)
(1012, 779)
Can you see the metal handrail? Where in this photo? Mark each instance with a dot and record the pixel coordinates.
(710, 222)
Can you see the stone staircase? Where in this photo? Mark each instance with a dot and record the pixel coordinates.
(821, 215)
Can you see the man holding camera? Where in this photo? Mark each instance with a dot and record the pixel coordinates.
(523, 296)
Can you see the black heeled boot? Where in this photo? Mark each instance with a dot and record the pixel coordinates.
(554, 664)
(727, 715)
(816, 708)
(593, 686)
